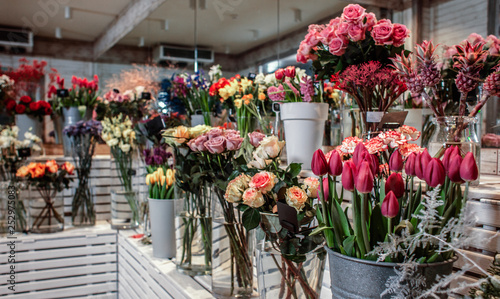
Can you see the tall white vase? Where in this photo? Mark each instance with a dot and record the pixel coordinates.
(162, 213)
(304, 130)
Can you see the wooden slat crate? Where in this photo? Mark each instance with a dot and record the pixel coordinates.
(143, 276)
(74, 263)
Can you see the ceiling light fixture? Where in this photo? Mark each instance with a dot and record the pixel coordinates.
(298, 15)
(141, 41)
(58, 33)
(67, 12)
(165, 25)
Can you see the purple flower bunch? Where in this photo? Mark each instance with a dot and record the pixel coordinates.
(156, 156)
(217, 141)
(82, 128)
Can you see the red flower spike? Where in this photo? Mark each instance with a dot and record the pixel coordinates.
(435, 173)
(395, 184)
(335, 164)
(396, 161)
(468, 169)
(390, 205)
(454, 169)
(279, 74)
(318, 164)
(348, 175)
(364, 179)
(410, 164)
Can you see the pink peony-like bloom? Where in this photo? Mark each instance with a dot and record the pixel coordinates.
(327, 34)
(307, 89)
(399, 34)
(356, 32)
(371, 20)
(410, 133)
(263, 181)
(253, 198)
(276, 94)
(216, 145)
(296, 197)
(353, 13)
(255, 138)
(382, 32)
(311, 185)
(337, 46)
(290, 71)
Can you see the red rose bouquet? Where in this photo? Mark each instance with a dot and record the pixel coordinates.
(27, 106)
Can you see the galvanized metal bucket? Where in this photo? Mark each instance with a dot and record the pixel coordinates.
(353, 278)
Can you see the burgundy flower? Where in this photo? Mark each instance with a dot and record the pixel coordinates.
(435, 173)
(395, 184)
(348, 175)
(396, 161)
(335, 164)
(468, 168)
(454, 169)
(364, 178)
(318, 163)
(390, 205)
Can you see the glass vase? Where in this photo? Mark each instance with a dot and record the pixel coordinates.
(124, 209)
(5, 206)
(46, 210)
(461, 131)
(82, 207)
(279, 277)
(193, 232)
(232, 251)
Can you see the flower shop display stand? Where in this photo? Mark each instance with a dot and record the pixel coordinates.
(140, 275)
(72, 263)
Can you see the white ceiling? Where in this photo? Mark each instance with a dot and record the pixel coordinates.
(226, 26)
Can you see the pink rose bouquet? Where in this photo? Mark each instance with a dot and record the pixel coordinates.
(354, 38)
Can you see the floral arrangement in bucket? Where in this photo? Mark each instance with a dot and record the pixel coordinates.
(354, 38)
(392, 221)
(84, 137)
(258, 189)
(119, 135)
(48, 179)
(83, 94)
(161, 183)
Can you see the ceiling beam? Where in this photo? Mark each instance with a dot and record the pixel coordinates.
(389, 4)
(134, 13)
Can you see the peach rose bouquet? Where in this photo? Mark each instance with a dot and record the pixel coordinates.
(261, 190)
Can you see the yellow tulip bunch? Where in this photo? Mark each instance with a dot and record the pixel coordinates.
(161, 183)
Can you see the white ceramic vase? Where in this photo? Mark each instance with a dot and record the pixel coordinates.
(162, 213)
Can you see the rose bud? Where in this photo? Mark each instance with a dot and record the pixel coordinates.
(364, 178)
(454, 169)
(335, 164)
(421, 164)
(396, 161)
(279, 74)
(468, 169)
(410, 164)
(448, 154)
(359, 152)
(348, 174)
(390, 205)
(318, 164)
(290, 71)
(395, 184)
(434, 173)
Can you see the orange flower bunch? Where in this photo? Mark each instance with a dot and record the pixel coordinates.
(38, 170)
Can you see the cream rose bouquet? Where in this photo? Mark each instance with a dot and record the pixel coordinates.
(260, 189)
(119, 135)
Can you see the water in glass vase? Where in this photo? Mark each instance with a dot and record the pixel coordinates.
(124, 209)
(193, 242)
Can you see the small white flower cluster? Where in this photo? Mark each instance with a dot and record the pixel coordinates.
(118, 131)
(215, 72)
(5, 82)
(8, 138)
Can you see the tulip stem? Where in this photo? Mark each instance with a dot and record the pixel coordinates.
(389, 226)
(364, 220)
(466, 195)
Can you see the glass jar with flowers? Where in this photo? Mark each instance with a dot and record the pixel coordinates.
(303, 113)
(13, 155)
(277, 210)
(412, 237)
(193, 216)
(354, 50)
(48, 179)
(84, 136)
(119, 135)
(72, 105)
(162, 203)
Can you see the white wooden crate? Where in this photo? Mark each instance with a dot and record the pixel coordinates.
(74, 263)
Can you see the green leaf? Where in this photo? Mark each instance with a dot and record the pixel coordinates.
(348, 245)
(294, 169)
(378, 227)
(251, 218)
(319, 229)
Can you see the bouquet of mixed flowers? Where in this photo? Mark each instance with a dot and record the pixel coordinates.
(354, 38)
(292, 85)
(83, 94)
(48, 178)
(27, 106)
(392, 220)
(132, 103)
(84, 136)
